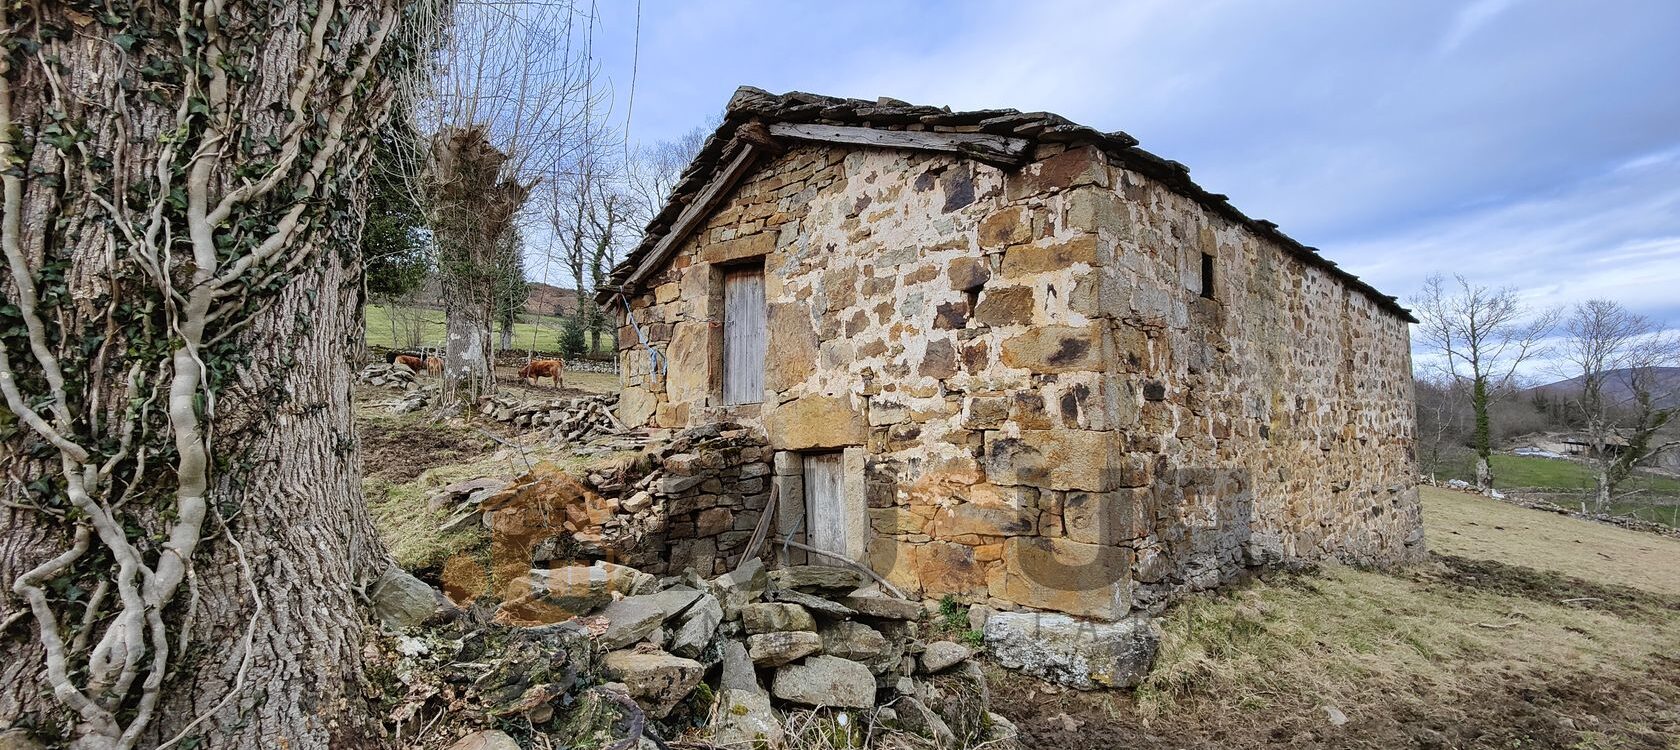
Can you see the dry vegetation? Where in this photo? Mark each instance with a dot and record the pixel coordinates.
(1525, 629)
(1468, 650)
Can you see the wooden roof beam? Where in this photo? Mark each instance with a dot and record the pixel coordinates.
(999, 151)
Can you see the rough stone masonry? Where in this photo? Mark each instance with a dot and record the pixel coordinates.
(1060, 375)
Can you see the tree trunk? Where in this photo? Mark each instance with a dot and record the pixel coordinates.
(467, 373)
(185, 533)
(297, 511)
(1482, 437)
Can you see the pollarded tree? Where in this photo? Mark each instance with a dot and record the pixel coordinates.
(185, 535)
(473, 203)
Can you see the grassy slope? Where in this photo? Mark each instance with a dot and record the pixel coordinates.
(539, 331)
(1456, 652)
(1470, 526)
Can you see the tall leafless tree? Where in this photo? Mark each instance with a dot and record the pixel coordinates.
(521, 77)
(1613, 357)
(185, 534)
(1482, 336)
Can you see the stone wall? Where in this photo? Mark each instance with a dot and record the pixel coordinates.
(1047, 413)
(710, 486)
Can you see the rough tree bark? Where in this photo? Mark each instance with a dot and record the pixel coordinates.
(186, 537)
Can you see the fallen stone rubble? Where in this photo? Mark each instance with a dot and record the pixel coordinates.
(397, 377)
(585, 419)
(724, 660)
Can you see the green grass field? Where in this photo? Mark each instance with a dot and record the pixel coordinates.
(541, 332)
(1557, 478)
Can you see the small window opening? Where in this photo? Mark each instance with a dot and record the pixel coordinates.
(1207, 275)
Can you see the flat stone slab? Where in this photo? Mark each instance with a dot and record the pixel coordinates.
(770, 617)
(816, 605)
(884, 607)
(816, 578)
(776, 649)
(1081, 654)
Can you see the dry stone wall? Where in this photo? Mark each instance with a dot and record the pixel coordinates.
(1051, 415)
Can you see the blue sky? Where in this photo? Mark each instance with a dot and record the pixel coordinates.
(1526, 143)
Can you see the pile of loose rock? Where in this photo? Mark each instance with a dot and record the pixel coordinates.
(727, 659)
(569, 420)
(397, 377)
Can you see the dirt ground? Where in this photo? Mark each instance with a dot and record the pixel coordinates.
(1468, 650)
(1525, 629)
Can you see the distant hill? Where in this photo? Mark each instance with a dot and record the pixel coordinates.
(547, 299)
(544, 299)
(1618, 390)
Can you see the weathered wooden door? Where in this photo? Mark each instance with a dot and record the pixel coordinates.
(744, 336)
(825, 513)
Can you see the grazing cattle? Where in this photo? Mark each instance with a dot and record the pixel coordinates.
(538, 369)
(434, 366)
(410, 361)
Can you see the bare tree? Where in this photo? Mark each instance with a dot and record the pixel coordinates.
(1613, 356)
(1443, 406)
(520, 77)
(653, 170)
(185, 533)
(1483, 336)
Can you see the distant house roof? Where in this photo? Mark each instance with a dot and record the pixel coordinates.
(755, 119)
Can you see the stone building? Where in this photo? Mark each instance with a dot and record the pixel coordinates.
(1008, 358)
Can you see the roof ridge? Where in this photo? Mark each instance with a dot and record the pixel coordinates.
(750, 103)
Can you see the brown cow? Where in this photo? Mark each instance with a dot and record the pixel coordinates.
(538, 369)
(413, 363)
(434, 367)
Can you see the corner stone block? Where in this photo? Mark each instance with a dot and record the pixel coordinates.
(1022, 260)
(687, 362)
(1054, 349)
(1107, 518)
(1089, 580)
(1071, 168)
(1058, 460)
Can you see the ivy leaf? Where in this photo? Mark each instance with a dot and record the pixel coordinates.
(125, 41)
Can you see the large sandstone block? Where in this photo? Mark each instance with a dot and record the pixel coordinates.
(688, 360)
(1005, 306)
(1108, 518)
(1058, 460)
(1022, 260)
(947, 568)
(792, 346)
(1009, 226)
(635, 406)
(1079, 166)
(969, 519)
(1067, 576)
(816, 421)
(1053, 349)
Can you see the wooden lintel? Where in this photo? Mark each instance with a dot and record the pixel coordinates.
(694, 214)
(997, 150)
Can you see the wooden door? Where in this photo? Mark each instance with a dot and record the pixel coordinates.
(825, 513)
(744, 335)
